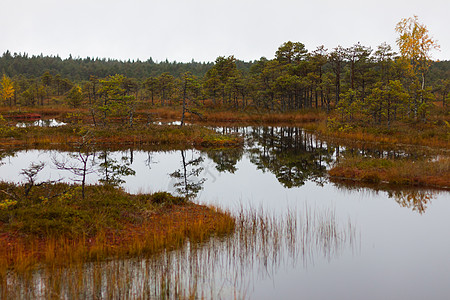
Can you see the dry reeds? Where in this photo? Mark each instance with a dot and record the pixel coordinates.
(223, 266)
(167, 230)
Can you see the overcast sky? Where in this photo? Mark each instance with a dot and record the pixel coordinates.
(182, 30)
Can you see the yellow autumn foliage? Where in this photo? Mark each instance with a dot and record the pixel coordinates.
(7, 88)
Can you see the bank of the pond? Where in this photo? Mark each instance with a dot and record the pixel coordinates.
(141, 135)
(424, 173)
(433, 135)
(52, 225)
(246, 117)
(249, 116)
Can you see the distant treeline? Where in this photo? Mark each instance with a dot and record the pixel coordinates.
(439, 70)
(79, 69)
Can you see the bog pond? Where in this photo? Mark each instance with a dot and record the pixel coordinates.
(316, 239)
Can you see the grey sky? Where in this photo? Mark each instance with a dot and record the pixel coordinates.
(182, 30)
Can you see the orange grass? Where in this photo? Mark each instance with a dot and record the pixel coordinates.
(168, 228)
(114, 135)
(249, 116)
(428, 134)
(44, 111)
(261, 243)
(265, 118)
(401, 172)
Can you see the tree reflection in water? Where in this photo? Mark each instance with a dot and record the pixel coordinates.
(111, 170)
(226, 158)
(293, 155)
(416, 200)
(188, 183)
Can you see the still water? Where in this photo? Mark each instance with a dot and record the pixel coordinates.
(399, 249)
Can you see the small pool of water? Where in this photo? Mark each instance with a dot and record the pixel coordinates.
(41, 123)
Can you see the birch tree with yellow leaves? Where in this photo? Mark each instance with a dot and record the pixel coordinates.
(7, 89)
(416, 44)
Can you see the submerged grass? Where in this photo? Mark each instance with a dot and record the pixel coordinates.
(45, 231)
(223, 266)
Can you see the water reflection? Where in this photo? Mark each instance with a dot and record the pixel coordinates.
(186, 179)
(223, 267)
(254, 134)
(293, 155)
(112, 170)
(5, 155)
(416, 200)
(296, 156)
(42, 123)
(226, 158)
